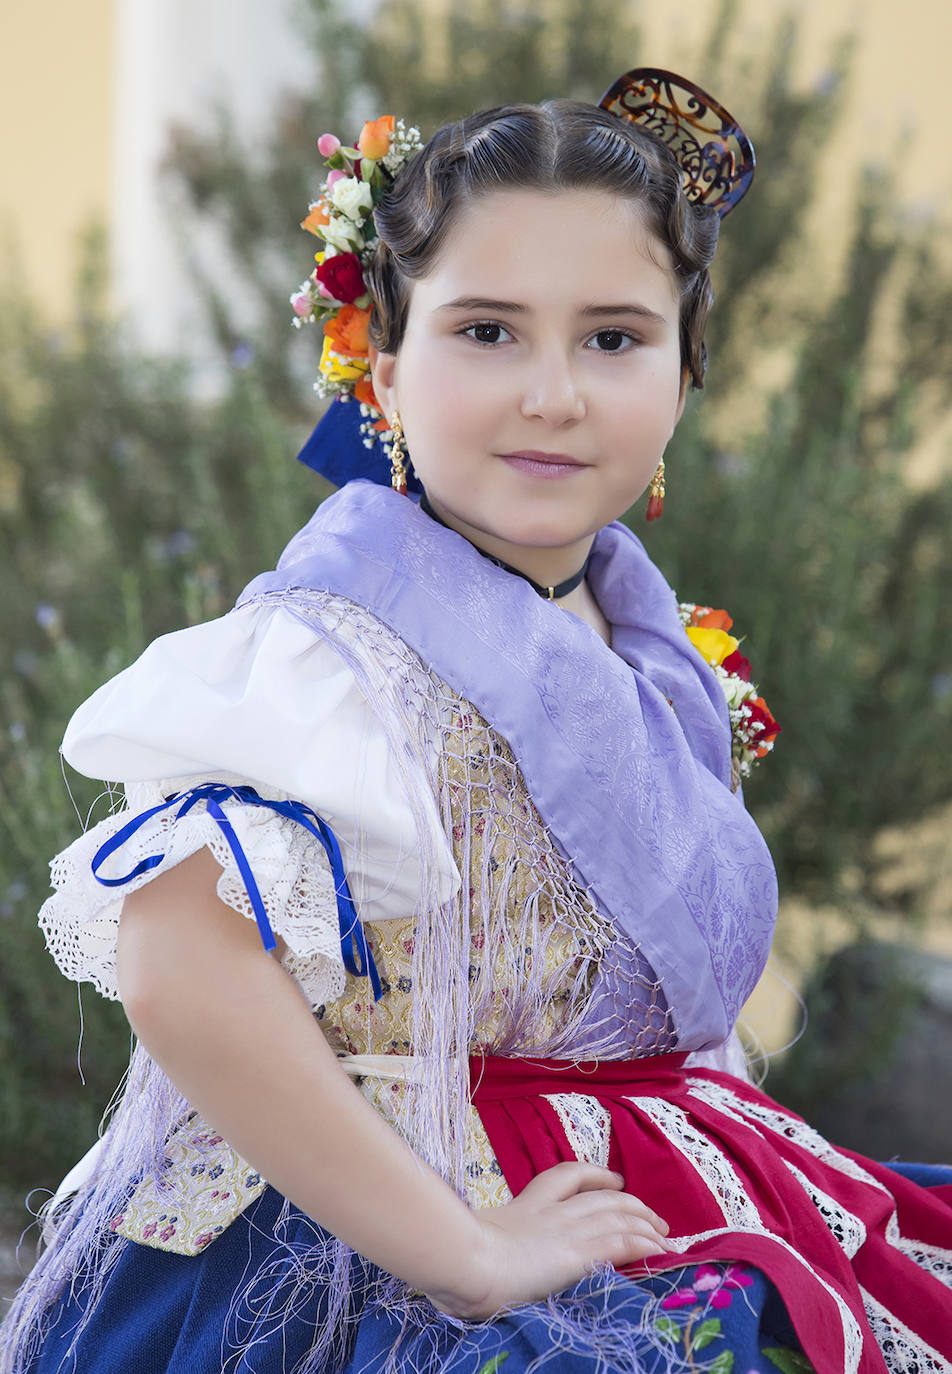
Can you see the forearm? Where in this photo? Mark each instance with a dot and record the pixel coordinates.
(234, 1034)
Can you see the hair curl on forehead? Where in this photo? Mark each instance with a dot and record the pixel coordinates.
(556, 146)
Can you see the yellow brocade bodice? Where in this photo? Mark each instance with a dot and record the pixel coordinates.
(530, 925)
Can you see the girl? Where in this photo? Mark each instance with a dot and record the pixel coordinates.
(473, 785)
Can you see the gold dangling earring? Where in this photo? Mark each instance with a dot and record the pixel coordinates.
(398, 455)
(656, 494)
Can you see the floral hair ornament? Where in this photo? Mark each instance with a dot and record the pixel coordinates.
(753, 728)
(716, 156)
(335, 295)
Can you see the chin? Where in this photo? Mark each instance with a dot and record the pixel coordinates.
(536, 538)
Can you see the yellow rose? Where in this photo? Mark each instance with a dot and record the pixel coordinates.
(713, 645)
(339, 369)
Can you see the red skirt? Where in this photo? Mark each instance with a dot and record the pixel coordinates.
(861, 1257)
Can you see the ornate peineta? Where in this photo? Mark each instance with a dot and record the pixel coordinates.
(716, 156)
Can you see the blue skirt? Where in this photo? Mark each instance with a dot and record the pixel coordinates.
(227, 1309)
(162, 1313)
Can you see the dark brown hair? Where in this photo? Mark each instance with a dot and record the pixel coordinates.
(559, 145)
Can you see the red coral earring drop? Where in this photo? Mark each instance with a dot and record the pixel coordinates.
(656, 494)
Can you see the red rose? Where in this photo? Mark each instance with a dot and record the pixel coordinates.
(342, 277)
(737, 663)
(760, 713)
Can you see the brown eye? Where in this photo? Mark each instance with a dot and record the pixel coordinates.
(486, 333)
(612, 340)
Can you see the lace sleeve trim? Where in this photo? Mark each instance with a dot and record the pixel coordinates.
(292, 876)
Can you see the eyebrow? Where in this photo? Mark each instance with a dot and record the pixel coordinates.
(515, 308)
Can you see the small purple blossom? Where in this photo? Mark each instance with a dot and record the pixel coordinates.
(179, 544)
(942, 685)
(242, 356)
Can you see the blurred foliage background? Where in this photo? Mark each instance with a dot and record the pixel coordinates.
(128, 506)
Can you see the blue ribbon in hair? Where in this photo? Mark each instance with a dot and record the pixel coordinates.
(356, 953)
(337, 451)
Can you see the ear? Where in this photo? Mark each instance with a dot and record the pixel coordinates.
(383, 370)
(682, 393)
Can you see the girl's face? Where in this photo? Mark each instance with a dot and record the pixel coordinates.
(540, 376)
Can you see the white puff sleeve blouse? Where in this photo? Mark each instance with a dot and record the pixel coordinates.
(252, 698)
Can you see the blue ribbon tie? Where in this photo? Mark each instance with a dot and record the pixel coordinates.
(355, 951)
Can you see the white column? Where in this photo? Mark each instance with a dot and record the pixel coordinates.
(176, 60)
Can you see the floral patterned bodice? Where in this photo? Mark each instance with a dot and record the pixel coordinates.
(540, 927)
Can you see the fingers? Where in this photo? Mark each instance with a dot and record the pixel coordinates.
(630, 1247)
(617, 1226)
(618, 1204)
(565, 1180)
(565, 1221)
(568, 1180)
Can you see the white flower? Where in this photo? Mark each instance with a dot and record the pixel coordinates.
(404, 143)
(736, 690)
(342, 233)
(351, 197)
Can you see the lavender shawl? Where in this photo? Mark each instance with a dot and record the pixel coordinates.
(625, 751)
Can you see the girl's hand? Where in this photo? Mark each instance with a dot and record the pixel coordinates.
(565, 1221)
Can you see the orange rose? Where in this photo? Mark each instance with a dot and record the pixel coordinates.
(317, 218)
(707, 619)
(348, 331)
(375, 137)
(364, 392)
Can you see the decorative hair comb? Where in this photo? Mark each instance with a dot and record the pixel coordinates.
(716, 156)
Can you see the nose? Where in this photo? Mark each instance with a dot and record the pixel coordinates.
(550, 390)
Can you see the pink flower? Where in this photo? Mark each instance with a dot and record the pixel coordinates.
(334, 177)
(713, 1280)
(301, 303)
(682, 1297)
(328, 144)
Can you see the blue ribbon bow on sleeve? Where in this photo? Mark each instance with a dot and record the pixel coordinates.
(355, 951)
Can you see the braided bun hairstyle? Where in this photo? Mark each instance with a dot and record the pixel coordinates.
(559, 145)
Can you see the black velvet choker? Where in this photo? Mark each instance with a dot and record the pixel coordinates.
(549, 593)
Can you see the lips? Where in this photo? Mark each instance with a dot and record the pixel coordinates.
(533, 455)
(536, 463)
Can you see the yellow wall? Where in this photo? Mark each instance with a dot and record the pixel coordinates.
(899, 86)
(56, 77)
(894, 115)
(56, 64)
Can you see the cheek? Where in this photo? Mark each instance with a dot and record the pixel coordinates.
(442, 388)
(649, 402)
